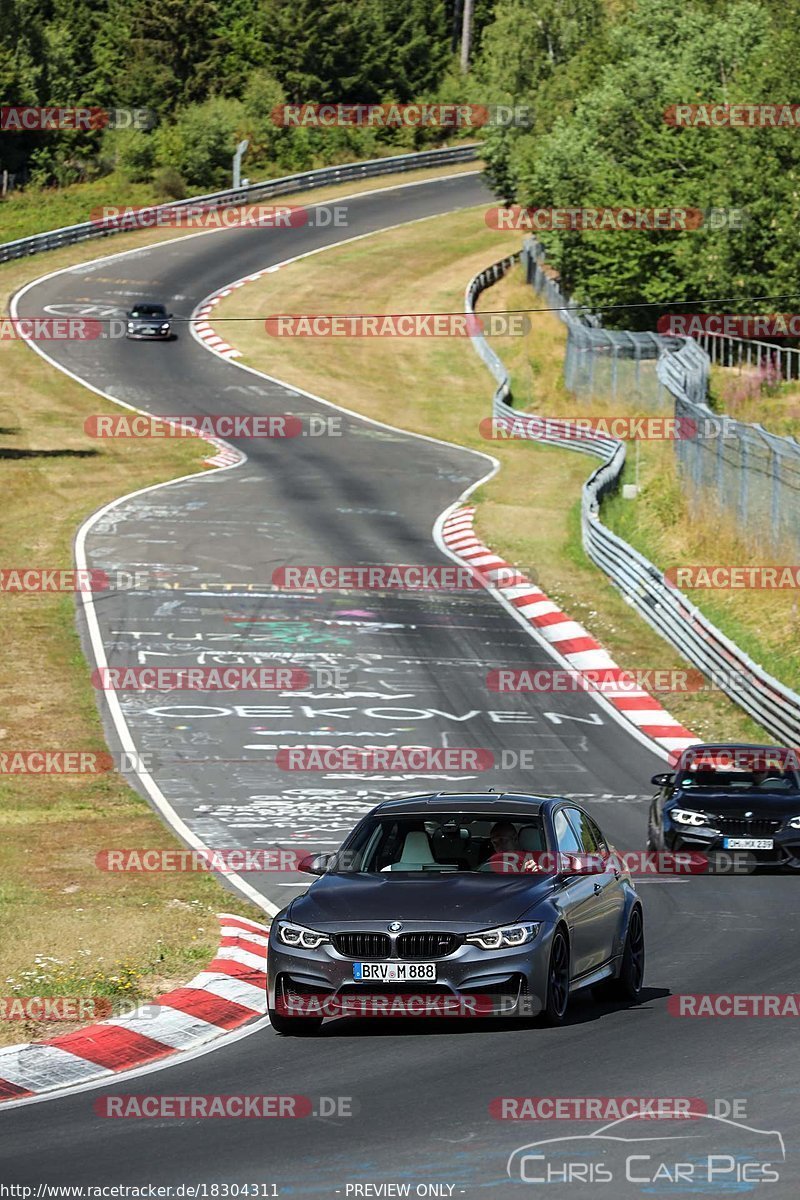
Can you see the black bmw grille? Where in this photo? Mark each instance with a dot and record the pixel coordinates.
(426, 945)
(408, 945)
(363, 945)
(747, 826)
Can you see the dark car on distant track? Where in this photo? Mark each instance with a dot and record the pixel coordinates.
(731, 799)
(417, 900)
(146, 320)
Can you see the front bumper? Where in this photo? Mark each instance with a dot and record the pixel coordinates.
(149, 335)
(785, 850)
(515, 978)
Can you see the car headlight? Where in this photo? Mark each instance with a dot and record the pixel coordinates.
(794, 823)
(685, 816)
(298, 935)
(504, 938)
(165, 327)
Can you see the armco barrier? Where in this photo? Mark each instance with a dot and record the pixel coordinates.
(751, 474)
(768, 701)
(304, 181)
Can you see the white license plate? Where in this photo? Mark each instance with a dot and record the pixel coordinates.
(377, 972)
(734, 843)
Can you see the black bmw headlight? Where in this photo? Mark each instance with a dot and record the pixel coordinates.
(687, 816)
(299, 936)
(505, 937)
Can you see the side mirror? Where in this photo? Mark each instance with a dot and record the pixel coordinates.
(662, 779)
(315, 864)
(582, 864)
(570, 864)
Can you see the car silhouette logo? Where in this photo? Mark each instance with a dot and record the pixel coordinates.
(395, 926)
(702, 1140)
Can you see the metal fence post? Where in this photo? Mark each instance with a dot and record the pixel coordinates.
(743, 489)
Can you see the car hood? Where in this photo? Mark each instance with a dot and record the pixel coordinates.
(475, 901)
(736, 804)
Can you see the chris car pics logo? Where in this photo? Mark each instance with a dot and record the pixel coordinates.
(709, 1152)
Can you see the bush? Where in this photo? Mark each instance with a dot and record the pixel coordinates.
(169, 184)
(200, 144)
(133, 151)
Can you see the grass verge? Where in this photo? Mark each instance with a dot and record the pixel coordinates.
(70, 929)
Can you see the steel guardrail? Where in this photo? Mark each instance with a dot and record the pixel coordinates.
(665, 608)
(54, 239)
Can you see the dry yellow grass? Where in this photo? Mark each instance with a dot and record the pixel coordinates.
(69, 928)
(114, 935)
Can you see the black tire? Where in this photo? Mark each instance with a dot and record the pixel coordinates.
(629, 982)
(557, 997)
(294, 1026)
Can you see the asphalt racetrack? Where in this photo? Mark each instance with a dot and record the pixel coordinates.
(413, 665)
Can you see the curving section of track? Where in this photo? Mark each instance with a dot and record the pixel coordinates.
(414, 673)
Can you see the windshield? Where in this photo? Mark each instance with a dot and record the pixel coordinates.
(443, 842)
(148, 310)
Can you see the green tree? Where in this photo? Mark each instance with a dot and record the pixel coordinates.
(200, 142)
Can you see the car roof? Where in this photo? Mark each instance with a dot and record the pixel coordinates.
(506, 802)
(148, 304)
